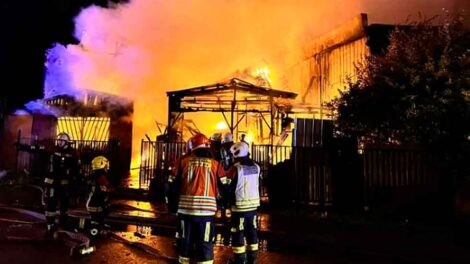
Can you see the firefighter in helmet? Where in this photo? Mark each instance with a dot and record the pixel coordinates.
(63, 168)
(226, 156)
(227, 162)
(244, 201)
(98, 199)
(215, 145)
(197, 180)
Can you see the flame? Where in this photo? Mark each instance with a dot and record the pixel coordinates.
(249, 137)
(263, 75)
(222, 125)
(145, 48)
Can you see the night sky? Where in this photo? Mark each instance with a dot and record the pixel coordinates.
(29, 28)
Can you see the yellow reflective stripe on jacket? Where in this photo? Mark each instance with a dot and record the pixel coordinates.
(94, 209)
(248, 202)
(205, 262)
(252, 247)
(50, 213)
(196, 212)
(197, 205)
(225, 180)
(81, 223)
(183, 260)
(240, 210)
(238, 250)
(48, 180)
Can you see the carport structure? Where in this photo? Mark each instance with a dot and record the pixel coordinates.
(234, 99)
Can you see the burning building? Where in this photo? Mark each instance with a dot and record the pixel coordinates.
(246, 108)
(97, 123)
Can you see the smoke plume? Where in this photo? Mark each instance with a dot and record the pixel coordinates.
(145, 48)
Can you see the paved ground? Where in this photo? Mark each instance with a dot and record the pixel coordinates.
(290, 235)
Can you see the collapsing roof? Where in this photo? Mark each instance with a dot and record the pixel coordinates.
(234, 96)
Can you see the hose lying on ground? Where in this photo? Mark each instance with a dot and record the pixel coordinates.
(39, 219)
(79, 243)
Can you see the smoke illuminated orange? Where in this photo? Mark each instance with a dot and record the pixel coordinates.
(142, 49)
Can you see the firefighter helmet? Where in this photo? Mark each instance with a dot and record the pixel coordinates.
(216, 137)
(228, 137)
(198, 141)
(239, 150)
(100, 162)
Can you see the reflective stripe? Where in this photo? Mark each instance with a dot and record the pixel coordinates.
(48, 180)
(81, 223)
(208, 181)
(64, 182)
(94, 209)
(241, 225)
(252, 247)
(238, 250)
(183, 260)
(243, 203)
(233, 230)
(205, 262)
(247, 189)
(255, 223)
(182, 228)
(50, 213)
(51, 192)
(196, 212)
(103, 188)
(225, 180)
(197, 205)
(207, 232)
(240, 210)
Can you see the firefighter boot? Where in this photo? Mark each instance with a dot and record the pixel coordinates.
(251, 257)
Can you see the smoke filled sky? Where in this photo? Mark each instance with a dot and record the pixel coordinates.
(146, 47)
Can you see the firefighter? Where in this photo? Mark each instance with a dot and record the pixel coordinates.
(227, 161)
(244, 201)
(215, 145)
(98, 199)
(63, 168)
(197, 180)
(171, 193)
(226, 156)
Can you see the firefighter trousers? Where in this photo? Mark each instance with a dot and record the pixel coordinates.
(244, 226)
(54, 194)
(97, 206)
(196, 236)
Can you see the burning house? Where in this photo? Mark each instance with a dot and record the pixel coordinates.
(97, 123)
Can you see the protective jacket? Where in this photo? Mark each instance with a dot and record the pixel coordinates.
(244, 177)
(197, 179)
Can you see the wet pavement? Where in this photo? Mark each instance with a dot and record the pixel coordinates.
(143, 233)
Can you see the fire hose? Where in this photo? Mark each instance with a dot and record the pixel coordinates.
(79, 243)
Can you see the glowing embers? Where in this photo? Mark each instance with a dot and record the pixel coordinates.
(85, 128)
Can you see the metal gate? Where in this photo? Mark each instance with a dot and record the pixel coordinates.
(33, 156)
(157, 158)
